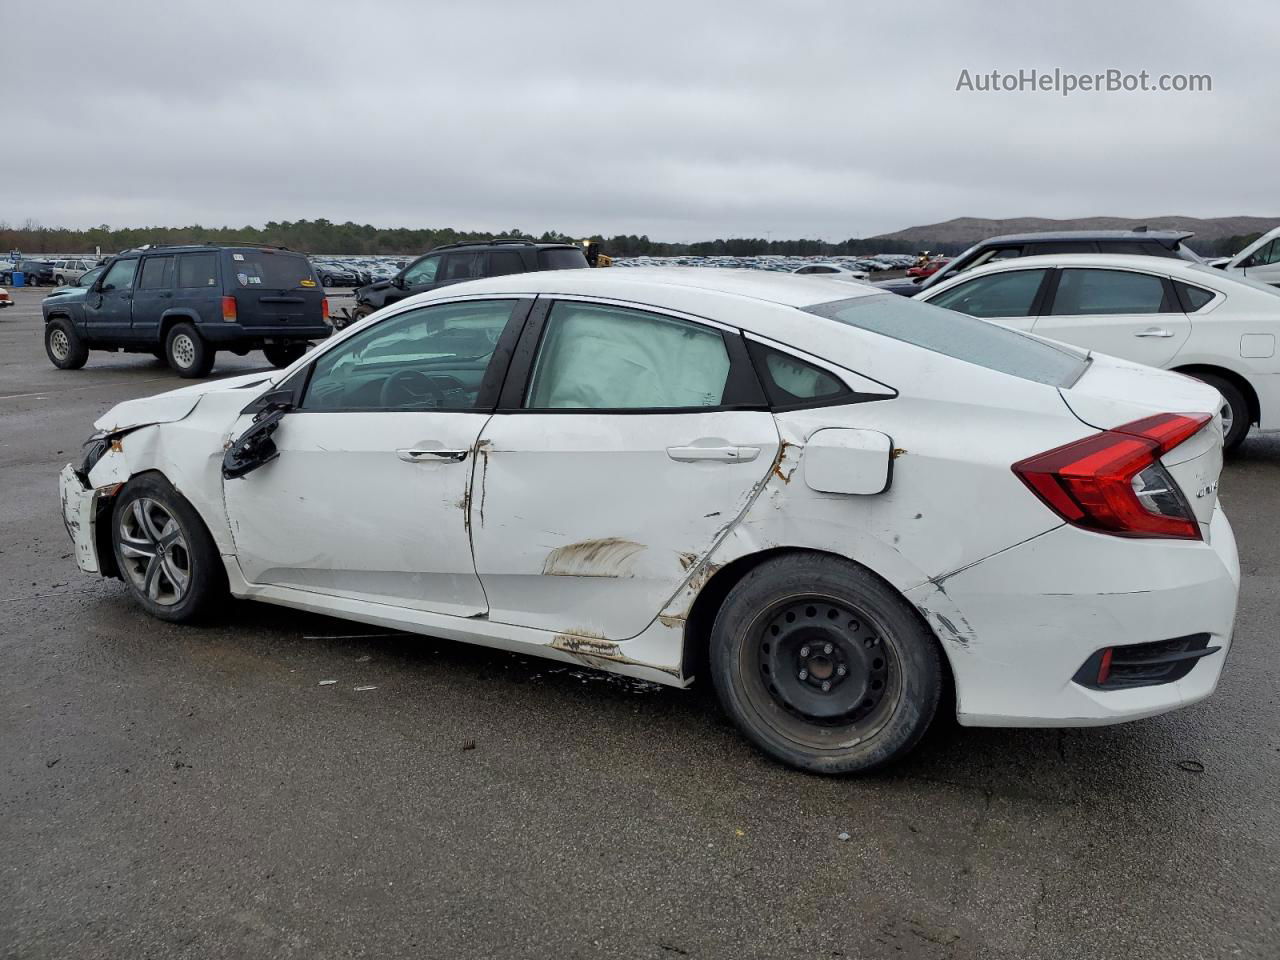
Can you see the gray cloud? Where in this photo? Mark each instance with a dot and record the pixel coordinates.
(680, 120)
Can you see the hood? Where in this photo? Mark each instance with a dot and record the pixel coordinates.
(376, 285)
(63, 293)
(175, 404)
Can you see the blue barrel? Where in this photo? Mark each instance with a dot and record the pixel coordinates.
(19, 278)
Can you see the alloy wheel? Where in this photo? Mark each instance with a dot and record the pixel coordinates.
(154, 550)
(60, 344)
(184, 350)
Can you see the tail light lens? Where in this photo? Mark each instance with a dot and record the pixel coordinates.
(1113, 482)
(229, 309)
(324, 309)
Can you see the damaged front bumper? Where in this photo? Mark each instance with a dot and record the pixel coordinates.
(82, 509)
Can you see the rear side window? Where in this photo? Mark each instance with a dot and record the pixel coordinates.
(198, 270)
(1083, 293)
(792, 382)
(269, 270)
(962, 337)
(595, 357)
(503, 262)
(1134, 248)
(157, 273)
(1193, 298)
(997, 295)
(562, 258)
(463, 266)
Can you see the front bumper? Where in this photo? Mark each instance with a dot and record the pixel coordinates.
(1018, 626)
(81, 506)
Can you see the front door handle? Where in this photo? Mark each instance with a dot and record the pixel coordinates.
(1154, 332)
(416, 455)
(724, 452)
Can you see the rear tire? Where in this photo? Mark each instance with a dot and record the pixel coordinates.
(280, 355)
(59, 281)
(187, 353)
(164, 553)
(66, 350)
(824, 666)
(1235, 411)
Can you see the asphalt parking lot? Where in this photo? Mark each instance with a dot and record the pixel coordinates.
(198, 792)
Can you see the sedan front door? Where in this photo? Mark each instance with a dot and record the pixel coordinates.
(368, 498)
(598, 490)
(1124, 313)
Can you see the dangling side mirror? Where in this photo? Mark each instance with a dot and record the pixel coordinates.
(254, 448)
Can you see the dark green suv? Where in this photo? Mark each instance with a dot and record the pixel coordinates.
(185, 303)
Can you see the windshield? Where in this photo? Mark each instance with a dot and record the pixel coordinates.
(269, 269)
(962, 337)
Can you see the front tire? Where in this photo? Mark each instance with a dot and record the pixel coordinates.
(187, 353)
(823, 666)
(1235, 410)
(66, 350)
(164, 553)
(280, 355)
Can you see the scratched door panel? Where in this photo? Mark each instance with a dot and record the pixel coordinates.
(588, 523)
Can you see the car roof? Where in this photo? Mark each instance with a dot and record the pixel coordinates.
(1196, 273)
(1167, 238)
(666, 286)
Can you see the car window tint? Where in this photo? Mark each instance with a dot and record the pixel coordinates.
(1133, 248)
(503, 262)
(962, 337)
(1091, 292)
(998, 295)
(120, 275)
(432, 358)
(157, 273)
(463, 266)
(1061, 246)
(562, 258)
(1265, 255)
(595, 357)
(790, 381)
(198, 270)
(268, 270)
(423, 272)
(1193, 297)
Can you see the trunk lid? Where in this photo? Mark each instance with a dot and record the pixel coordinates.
(1114, 392)
(273, 288)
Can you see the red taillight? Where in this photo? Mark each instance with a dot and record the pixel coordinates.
(1113, 482)
(229, 309)
(324, 308)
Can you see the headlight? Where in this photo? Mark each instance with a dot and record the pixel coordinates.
(95, 449)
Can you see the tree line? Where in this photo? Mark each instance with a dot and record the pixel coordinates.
(324, 237)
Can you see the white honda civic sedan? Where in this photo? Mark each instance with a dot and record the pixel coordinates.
(832, 502)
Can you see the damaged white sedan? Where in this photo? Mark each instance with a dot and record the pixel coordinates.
(832, 502)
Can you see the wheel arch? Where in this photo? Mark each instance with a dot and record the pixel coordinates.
(171, 318)
(1238, 381)
(710, 598)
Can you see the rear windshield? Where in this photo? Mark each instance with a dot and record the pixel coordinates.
(268, 269)
(962, 337)
(562, 258)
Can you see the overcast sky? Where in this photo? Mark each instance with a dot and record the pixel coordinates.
(685, 121)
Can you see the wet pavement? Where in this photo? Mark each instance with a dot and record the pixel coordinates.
(202, 792)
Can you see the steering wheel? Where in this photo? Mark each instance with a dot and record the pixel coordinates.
(412, 388)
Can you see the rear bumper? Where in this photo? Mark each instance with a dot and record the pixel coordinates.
(1019, 625)
(239, 333)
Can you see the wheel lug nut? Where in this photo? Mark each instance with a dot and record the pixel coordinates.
(826, 685)
(804, 651)
(841, 670)
(828, 648)
(804, 674)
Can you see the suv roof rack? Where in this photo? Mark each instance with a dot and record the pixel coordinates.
(205, 243)
(485, 243)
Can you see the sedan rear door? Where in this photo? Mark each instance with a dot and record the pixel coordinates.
(627, 442)
(1124, 313)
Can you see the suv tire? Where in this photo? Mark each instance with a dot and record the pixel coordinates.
(823, 665)
(280, 355)
(66, 350)
(187, 353)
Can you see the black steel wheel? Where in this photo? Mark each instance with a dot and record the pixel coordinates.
(823, 665)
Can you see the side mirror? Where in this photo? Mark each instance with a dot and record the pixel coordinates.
(398, 281)
(254, 448)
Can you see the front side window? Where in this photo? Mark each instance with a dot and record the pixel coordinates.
(424, 271)
(120, 275)
(1083, 293)
(432, 358)
(962, 337)
(596, 357)
(157, 273)
(1266, 255)
(996, 295)
(197, 270)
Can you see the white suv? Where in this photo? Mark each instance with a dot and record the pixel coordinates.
(69, 271)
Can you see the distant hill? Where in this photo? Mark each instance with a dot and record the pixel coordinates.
(963, 231)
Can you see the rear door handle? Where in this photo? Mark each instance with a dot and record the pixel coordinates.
(416, 455)
(726, 453)
(1154, 332)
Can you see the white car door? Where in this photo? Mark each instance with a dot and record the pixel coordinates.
(368, 496)
(1124, 313)
(1008, 297)
(639, 440)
